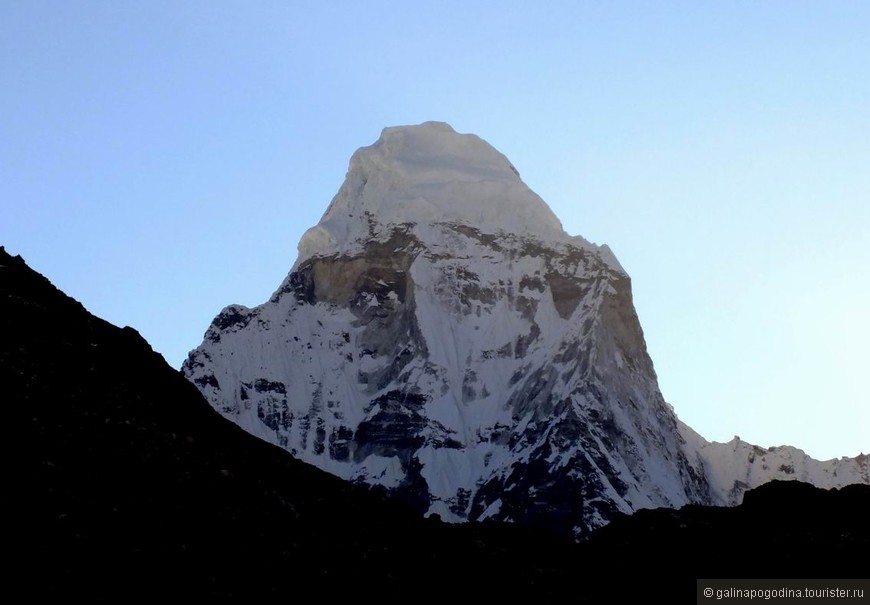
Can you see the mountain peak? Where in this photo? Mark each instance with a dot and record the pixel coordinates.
(434, 152)
(424, 176)
(441, 337)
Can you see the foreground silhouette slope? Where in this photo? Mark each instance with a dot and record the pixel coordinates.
(131, 482)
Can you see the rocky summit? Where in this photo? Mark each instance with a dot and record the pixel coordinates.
(442, 337)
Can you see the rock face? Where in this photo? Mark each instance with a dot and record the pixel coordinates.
(441, 336)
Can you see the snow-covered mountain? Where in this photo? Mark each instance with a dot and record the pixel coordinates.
(440, 335)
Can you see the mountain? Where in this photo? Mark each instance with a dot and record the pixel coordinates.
(442, 337)
(783, 529)
(125, 485)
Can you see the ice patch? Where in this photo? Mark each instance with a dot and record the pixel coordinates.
(380, 470)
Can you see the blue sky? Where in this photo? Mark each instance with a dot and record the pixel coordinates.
(160, 160)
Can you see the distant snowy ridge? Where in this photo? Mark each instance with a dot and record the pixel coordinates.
(734, 467)
(441, 336)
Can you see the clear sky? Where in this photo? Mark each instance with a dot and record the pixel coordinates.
(160, 160)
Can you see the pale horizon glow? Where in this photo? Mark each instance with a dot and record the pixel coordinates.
(159, 161)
